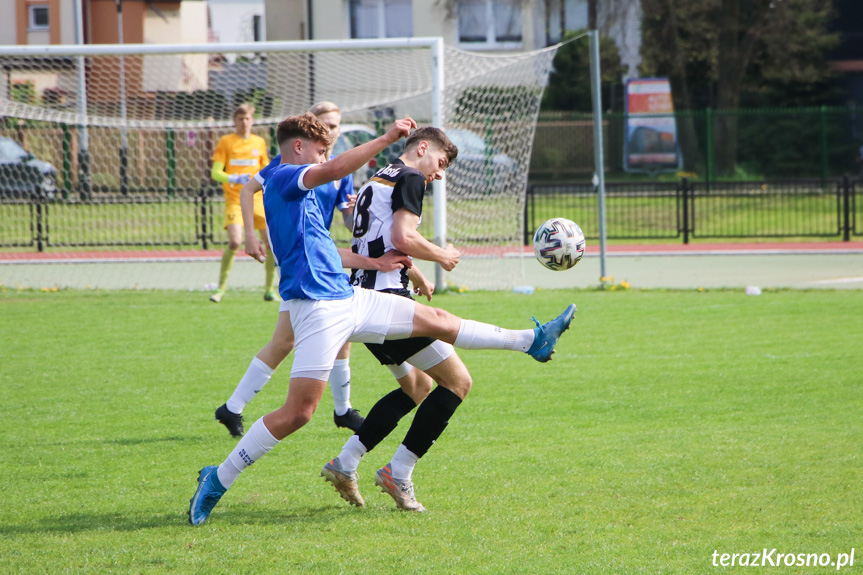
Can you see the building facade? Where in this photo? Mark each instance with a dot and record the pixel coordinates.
(478, 25)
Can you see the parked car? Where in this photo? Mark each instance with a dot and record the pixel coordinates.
(22, 175)
(353, 135)
(479, 167)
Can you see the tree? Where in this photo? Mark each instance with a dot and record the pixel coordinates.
(738, 45)
(569, 81)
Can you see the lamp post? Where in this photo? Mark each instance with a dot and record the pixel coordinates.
(124, 142)
(83, 142)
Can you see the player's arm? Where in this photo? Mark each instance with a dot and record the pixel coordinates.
(407, 239)
(390, 261)
(247, 206)
(348, 211)
(422, 286)
(219, 174)
(355, 158)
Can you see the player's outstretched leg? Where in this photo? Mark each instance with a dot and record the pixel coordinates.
(546, 335)
(345, 482)
(538, 342)
(206, 496)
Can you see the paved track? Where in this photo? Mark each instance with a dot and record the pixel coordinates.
(835, 265)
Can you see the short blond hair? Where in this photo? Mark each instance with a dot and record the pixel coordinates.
(243, 109)
(323, 108)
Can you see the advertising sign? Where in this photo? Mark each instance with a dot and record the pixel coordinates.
(651, 131)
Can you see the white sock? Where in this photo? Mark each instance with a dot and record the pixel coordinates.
(340, 385)
(477, 335)
(403, 463)
(254, 380)
(256, 443)
(351, 453)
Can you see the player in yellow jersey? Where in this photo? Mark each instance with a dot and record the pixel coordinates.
(237, 158)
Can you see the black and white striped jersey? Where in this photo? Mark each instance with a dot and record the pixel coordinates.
(390, 189)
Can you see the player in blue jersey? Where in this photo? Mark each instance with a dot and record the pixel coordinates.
(325, 310)
(332, 196)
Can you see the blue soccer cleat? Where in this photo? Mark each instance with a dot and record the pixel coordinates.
(207, 495)
(546, 335)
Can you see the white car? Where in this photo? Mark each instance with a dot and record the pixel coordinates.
(479, 167)
(353, 135)
(22, 175)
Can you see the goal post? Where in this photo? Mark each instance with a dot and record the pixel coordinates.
(177, 100)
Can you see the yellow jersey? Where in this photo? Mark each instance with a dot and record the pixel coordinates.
(240, 156)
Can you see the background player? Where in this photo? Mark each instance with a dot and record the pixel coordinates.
(325, 311)
(333, 195)
(237, 158)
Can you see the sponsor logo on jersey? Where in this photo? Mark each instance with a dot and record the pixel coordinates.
(390, 171)
(236, 162)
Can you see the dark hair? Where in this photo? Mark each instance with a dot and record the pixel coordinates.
(305, 126)
(435, 137)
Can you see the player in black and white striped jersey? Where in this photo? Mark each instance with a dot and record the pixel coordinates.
(377, 218)
(386, 217)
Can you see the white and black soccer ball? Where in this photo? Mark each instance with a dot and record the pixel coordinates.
(558, 244)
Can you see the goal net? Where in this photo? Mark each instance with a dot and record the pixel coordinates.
(106, 151)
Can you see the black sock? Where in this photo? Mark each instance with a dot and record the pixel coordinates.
(431, 419)
(384, 416)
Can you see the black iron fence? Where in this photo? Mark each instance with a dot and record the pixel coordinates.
(689, 210)
(650, 211)
(142, 218)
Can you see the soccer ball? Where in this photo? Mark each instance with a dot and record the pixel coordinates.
(558, 244)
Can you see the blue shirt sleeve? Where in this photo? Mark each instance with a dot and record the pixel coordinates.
(286, 180)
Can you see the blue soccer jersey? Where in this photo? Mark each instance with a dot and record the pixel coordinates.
(309, 263)
(330, 196)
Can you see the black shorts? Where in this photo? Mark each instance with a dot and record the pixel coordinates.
(397, 351)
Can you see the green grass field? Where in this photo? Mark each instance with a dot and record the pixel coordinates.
(669, 425)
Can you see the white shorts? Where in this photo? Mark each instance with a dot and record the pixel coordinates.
(321, 328)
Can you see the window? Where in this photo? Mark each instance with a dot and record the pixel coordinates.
(39, 19)
(489, 23)
(381, 19)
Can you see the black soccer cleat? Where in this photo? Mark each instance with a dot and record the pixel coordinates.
(351, 419)
(233, 421)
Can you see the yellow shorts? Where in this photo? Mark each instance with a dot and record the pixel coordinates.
(234, 215)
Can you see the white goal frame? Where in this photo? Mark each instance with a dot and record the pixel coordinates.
(434, 44)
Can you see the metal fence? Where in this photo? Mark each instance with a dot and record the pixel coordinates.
(733, 144)
(689, 210)
(104, 220)
(682, 210)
